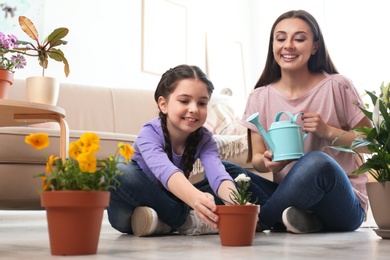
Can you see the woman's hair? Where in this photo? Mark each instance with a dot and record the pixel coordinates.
(167, 85)
(318, 62)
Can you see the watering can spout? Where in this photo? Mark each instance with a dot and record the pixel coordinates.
(254, 119)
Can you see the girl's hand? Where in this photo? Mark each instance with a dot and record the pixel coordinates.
(205, 208)
(248, 203)
(274, 166)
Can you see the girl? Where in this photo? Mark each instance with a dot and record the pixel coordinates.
(155, 195)
(317, 192)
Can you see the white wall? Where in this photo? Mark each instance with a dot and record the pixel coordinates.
(358, 39)
(105, 38)
(104, 42)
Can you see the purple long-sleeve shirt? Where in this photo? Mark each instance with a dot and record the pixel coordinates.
(153, 160)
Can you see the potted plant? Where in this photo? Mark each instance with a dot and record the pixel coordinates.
(376, 140)
(10, 60)
(237, 220)
(75, 192)
(43, 89)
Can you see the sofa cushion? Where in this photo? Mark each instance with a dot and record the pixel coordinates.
(100, 109)
(221, 117)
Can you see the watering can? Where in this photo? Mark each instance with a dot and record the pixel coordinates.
(285, 138)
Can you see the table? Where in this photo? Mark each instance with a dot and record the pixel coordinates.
(21, 113)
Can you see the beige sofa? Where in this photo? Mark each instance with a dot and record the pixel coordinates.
(116, 115)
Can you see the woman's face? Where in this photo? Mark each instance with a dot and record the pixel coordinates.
(293, 44)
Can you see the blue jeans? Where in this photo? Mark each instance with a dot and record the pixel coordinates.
(136, 189)
(315, 183)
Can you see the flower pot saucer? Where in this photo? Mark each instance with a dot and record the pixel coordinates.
(384, 233)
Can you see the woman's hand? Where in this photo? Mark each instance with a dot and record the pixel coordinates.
(313, 123)
(205, 208)
(274, 166)
(262, 158)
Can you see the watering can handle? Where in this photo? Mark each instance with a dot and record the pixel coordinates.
(295, 120)
(296, 116)
(286, 112)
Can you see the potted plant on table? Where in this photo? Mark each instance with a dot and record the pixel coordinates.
(376, 140)
(237, 220)
(43, 89)
(10, 60)
(77, 185)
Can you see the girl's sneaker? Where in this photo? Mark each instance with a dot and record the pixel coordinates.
(194, 226)
(145, 222)
(300, 221)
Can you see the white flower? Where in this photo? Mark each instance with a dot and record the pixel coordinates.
(242, 178)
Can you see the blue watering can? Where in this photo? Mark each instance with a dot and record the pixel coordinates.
(285, 138)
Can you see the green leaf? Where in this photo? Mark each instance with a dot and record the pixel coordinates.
(361, 142)
(55, 37)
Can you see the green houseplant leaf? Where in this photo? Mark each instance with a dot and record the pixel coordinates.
(375, 139)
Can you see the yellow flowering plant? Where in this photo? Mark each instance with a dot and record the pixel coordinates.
(81, 170)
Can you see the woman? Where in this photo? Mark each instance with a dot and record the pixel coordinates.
(318, 191)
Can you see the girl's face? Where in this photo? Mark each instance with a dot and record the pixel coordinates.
(293, 44)
(186, 107)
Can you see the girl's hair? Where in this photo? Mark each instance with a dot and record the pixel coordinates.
(167, 85)
(318, 62)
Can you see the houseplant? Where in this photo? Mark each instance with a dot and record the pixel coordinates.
(237, 220)
(43, 89)
(376, 140)
(10, 60)
(77, 185)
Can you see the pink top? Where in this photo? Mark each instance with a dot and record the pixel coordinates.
(336, 100)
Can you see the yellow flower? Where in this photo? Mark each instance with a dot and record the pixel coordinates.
(87, 162)
(126, 151)
(50, 163)
(82, 170)
(38, 141)
(74, 150)
(89, 142)
(45, 183)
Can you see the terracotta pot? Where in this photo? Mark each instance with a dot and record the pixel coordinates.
(379, 196)
(237, 224)
(6, 80)
(42, 89)
(74, 220)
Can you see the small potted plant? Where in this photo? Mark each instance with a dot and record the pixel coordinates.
(43, 89)
(237, 220)
(10, 60)
(376, 140)
(77, 185)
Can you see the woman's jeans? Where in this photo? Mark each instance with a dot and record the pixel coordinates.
(136, 189)
(315, 183)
